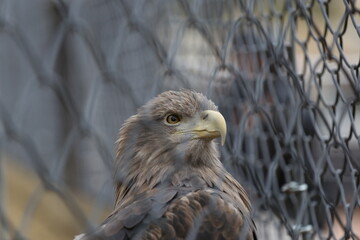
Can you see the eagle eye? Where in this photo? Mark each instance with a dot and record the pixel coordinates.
(173, 119)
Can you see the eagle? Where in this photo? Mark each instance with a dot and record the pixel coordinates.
(170, 182)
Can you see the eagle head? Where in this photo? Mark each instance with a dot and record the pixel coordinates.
(172, 131)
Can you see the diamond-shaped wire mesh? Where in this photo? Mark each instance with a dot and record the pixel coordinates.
(284, 73)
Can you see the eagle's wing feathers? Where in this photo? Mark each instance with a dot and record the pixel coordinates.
(136, 215)
(201, 214)
(207, 214)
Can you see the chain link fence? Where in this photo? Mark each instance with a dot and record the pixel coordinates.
(284, 73)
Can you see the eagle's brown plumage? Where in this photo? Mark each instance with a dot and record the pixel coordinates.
(170, 181)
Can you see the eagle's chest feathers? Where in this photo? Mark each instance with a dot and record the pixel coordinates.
(199, 178)
(185, 179)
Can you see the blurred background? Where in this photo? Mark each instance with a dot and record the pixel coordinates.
(284, 73)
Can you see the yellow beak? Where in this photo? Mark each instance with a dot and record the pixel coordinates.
(211, 125)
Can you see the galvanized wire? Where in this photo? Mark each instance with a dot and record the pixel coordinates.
(284, 73)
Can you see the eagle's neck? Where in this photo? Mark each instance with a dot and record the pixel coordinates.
(191, 163)
(199, 177)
